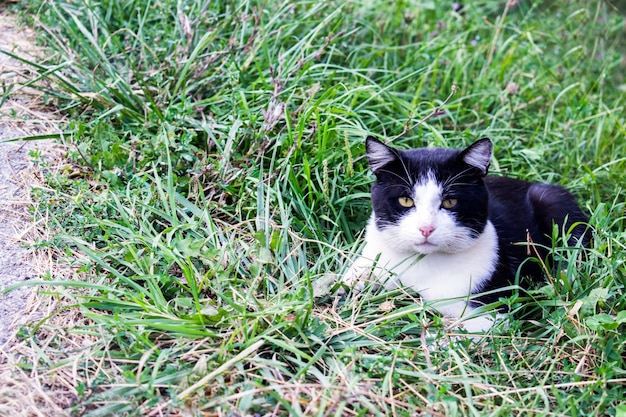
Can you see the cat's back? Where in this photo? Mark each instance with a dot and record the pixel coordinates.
(521, 209)
(506, 190)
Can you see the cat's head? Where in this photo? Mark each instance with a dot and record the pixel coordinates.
(429, 199)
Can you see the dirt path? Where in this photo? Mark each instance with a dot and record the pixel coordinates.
(21, 114)
(23, 392)
(16, 263)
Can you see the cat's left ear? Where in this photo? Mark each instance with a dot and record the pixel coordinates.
(478, 154)
(379, 154)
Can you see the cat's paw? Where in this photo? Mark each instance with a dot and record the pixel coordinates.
(484, 323)
(352, 280)
(356, 277)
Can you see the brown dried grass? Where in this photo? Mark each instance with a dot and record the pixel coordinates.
(26, 390)
(26, 109)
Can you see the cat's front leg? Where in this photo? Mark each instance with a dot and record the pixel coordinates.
(357, 275)
(470, 319)
(366, 271)
(480, 324)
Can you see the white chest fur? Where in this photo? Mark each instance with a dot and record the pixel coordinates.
(434, 276)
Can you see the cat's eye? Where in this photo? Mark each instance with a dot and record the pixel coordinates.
(448, 203)
(406, 202)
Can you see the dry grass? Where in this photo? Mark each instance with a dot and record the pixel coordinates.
(24, 390)
(25, 110)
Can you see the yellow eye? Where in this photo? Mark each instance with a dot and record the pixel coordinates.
(405, 201)
(448, 203)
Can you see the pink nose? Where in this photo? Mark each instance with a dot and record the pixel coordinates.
(426, 230)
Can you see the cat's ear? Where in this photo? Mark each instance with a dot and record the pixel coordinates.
(478, 154)
(379, 154)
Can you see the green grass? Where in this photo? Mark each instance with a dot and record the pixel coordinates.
(223, 189)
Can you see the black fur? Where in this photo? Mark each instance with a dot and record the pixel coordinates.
(524, 212)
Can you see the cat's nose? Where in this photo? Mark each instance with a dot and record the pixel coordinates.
(426, 230)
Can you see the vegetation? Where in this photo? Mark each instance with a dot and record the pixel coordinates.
(219, 189)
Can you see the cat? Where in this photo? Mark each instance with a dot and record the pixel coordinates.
(445, 229)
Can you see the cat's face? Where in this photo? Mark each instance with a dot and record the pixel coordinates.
(429, 200)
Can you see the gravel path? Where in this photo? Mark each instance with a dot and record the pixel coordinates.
(16, 261)
(20, 115)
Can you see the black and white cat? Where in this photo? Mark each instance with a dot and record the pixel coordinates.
(445, 229)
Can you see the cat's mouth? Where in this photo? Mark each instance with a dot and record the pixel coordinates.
(426, 247)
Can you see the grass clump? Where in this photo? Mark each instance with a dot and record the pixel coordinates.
(220, 190)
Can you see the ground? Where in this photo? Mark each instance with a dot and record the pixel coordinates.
(19, 117)
(22, 114)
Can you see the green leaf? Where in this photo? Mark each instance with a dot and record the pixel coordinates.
(602, 321)
(591, 301)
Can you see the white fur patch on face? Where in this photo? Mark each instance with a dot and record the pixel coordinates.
(427, 227)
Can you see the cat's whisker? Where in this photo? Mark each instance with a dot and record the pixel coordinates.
(404, 180)
(406, 170)
(451, 182)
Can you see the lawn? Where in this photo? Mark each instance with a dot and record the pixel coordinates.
(217, 188)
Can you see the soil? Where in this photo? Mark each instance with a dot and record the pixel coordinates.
(22, 114)
(16, 263)
(24, 390)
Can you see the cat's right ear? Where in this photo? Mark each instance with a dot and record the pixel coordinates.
(379, 154)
